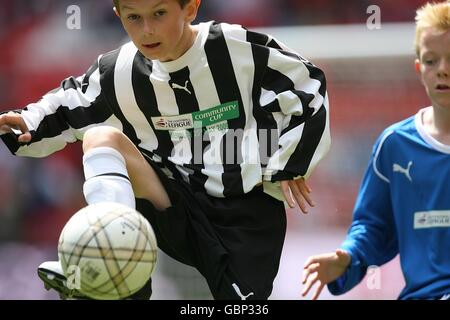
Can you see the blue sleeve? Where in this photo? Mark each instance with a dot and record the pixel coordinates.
(372, 238)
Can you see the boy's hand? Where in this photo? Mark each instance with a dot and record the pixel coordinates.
(324, 268)
(12, 120)
(299, 190)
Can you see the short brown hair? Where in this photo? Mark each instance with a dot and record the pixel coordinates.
(181, 2)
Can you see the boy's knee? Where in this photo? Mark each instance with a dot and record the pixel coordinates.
(102, 136)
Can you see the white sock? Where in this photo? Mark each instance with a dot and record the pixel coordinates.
(107, 177)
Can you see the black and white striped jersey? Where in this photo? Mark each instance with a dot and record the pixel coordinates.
(237, 109)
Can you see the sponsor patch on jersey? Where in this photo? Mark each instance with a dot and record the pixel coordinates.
(176, 123)
(214, 115)
(210, 118)
(432, 219)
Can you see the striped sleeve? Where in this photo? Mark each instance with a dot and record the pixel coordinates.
(294, 91)
(62, 115)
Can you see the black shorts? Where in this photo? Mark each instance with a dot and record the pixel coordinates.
(235, 243)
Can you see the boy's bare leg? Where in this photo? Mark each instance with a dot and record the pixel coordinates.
(115, 171)
(144, 180)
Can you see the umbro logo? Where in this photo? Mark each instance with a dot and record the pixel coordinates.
(398, 168)
(185, 88)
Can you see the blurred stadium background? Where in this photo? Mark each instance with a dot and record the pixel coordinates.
(371, 84)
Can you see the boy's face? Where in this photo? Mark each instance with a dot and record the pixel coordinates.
(434, 65)
(160, 29)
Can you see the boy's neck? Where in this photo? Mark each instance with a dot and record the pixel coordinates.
(437, 123)
(194, 33)
(189, 40)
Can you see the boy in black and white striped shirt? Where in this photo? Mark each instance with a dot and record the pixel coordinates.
(205, 129)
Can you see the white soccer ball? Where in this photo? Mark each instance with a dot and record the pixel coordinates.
(107, 251)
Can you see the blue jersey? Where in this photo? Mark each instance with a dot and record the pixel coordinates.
(403, 207)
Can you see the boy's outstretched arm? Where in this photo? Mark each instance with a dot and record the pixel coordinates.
(61, 116)
(324, 268)
(371, 239)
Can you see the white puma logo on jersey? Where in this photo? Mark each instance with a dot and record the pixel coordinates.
(238, 291)
(399, 168)
(177, 86)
